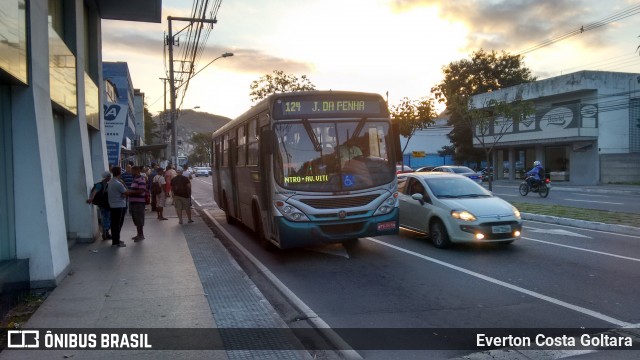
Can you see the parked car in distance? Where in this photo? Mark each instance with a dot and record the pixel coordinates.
(401, 169)
(451, 208)
(425, 168)
(202, 171)
(487, 173)
(462, 170)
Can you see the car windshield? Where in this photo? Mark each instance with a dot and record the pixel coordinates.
(333, 155)
(451, 187)
(462, 170)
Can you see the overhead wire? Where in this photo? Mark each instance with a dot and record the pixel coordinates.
(625, 13)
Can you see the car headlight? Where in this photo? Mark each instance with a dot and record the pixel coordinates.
(463, 215)
(290, 212)
(516, 212)
(388, 205)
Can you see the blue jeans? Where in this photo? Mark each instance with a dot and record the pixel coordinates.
(105, 215)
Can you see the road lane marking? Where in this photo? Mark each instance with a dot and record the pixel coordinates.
(556, 232)
(597, 202)
(582, 249)
(586, 229)
(206, 182)
(550, 299)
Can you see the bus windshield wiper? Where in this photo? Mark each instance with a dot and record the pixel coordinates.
(359, 127)
(314, 139)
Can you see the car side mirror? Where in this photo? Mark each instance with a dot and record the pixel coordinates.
(418, 197)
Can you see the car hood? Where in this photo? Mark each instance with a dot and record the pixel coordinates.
(480, 207)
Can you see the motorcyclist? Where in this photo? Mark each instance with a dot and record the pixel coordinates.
(536, 174)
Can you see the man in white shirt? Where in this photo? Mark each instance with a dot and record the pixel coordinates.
(186, 172)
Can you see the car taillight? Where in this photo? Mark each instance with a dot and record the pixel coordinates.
(547, 181)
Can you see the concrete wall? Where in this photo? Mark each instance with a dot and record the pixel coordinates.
(620, 168)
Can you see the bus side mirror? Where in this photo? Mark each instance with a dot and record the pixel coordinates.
(266, 141)
(395, 133)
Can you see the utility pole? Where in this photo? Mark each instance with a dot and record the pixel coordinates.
(172, 84)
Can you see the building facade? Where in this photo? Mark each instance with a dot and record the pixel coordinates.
(423, 147)
(585, 128)
(53, 142)
(121, 121)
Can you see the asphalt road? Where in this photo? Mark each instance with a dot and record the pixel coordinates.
(554, 277)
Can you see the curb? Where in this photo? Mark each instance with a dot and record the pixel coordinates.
(591, 225)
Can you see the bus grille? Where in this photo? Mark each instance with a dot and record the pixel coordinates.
(340, 202)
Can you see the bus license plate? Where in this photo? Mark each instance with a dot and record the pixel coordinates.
(501, 229)
(389, 225)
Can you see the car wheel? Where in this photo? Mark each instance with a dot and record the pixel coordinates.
(439, 235)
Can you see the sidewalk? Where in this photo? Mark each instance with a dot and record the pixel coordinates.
(180, 276)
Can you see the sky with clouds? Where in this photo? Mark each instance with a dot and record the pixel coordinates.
(384, 46)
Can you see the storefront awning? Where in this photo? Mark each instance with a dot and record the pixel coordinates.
(149, 147)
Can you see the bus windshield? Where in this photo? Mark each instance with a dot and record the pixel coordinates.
(332, 156)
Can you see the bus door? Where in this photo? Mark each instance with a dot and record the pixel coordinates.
(266, 150)
(217, 185)
(233, 159)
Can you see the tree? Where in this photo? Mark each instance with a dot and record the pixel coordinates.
(279, 82)
(483, 72)
(493, 120)
(447, 150)
(201, 153)
(152, 134)
(413, 115)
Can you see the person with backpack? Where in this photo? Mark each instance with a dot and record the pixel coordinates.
(100, 197)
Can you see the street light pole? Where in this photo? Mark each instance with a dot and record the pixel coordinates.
(172, 84)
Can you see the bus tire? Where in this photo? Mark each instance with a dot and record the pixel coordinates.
(257, 222)
(350, 242)
(227, 213)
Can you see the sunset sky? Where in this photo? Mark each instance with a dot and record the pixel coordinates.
(394, 46)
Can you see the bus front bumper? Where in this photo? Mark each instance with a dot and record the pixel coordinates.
(297, 234)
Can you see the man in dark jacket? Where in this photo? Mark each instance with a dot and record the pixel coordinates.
(181, 187)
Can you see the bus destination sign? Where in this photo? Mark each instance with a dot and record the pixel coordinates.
(299, 108)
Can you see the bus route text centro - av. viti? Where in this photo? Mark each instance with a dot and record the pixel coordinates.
(309, 167)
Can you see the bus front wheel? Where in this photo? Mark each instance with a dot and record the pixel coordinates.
(227, 213)
(262, 238)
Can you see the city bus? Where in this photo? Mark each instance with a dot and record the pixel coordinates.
(182, 160)
(309, 167)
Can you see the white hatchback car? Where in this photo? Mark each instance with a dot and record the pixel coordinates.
(452, 208)
(202, 171)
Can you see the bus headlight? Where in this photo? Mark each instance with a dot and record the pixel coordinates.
(290, 212)
(387, 206)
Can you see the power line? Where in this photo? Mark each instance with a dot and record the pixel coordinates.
(623, 14)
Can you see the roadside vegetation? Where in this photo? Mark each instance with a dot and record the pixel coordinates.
(608, 217)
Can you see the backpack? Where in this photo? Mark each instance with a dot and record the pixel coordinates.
(155, 188)
(101, 199)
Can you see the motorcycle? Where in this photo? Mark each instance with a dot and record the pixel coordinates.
(541, 187)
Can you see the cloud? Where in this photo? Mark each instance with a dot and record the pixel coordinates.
(132, 42)
(511, 25)
(256, 61)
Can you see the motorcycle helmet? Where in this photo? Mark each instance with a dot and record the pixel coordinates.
(536, 163)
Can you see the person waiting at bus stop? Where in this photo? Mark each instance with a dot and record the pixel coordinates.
(181, 187)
